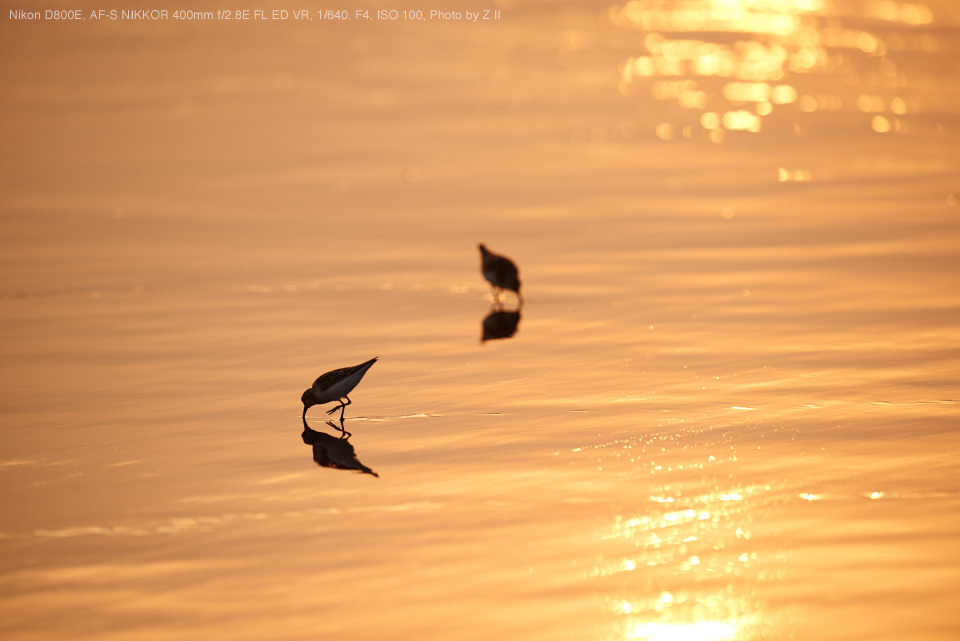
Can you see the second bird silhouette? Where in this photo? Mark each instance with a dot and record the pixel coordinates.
(500, 272)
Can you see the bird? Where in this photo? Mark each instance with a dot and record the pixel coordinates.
(500, 272)
(334, 386)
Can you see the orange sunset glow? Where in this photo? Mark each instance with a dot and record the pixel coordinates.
(604, 321)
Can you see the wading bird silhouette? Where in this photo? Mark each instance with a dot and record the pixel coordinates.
(500, 272)
(334, 386)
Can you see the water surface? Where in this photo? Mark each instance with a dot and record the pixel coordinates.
(728, 409)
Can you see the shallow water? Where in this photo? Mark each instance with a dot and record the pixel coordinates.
(729, 409)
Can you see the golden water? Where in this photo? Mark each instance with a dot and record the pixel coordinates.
(729, 409)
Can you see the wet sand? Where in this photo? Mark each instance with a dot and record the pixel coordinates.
(729, 407)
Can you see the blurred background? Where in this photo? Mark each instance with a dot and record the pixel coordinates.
(727, 409)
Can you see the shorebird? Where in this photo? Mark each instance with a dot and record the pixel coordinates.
(500, 272)
(334, 386)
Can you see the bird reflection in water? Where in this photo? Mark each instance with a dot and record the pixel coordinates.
(500, 323)
(334, 452)
(503, 275)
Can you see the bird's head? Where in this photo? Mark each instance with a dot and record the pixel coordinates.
(307, 398)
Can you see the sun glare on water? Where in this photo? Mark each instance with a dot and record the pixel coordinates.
(738, 65)
(697, 631)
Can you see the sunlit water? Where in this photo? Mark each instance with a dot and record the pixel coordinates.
(727, 410)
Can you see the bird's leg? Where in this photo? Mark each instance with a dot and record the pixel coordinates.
(497, 295)
(340, 406)
(343, 407)
(344, 434)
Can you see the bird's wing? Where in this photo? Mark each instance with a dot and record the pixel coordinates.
(328, 380)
